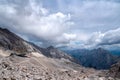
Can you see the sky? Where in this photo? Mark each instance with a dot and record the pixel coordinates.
(64, 23)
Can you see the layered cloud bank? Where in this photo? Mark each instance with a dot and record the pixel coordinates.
(73, 23)
(108, 38)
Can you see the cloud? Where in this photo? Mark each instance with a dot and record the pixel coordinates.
(108, 38)
(63, 22)
(97, 14)
(66, 38)
(34, 20)
(111, 37)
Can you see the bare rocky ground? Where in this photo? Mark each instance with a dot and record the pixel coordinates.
(39, 67)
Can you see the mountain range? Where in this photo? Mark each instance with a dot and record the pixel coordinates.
(23, 60)
(95, 58)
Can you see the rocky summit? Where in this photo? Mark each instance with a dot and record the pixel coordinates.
(22, 60)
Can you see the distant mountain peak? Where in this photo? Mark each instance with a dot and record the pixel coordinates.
(100, 48)
(51, 47)
(97, 58)
(100, 51)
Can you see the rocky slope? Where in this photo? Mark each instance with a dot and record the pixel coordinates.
(115, 70)
(43, 68)
(37, 65)
(52, 52)
(10, 41)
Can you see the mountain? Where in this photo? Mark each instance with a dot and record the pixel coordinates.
(10, 41)
(36, 64)
(52, 52)
(55, 53)
(22, 60)
(96, 58)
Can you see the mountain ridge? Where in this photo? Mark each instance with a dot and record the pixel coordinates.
(11, 41)
(97, 58)
(41, 63)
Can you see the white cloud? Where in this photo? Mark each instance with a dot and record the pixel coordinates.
(37, 21)
(111, 37)
(66, 38)
(94, 15)
(108, 38)
(69, 36)
(52, 22)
